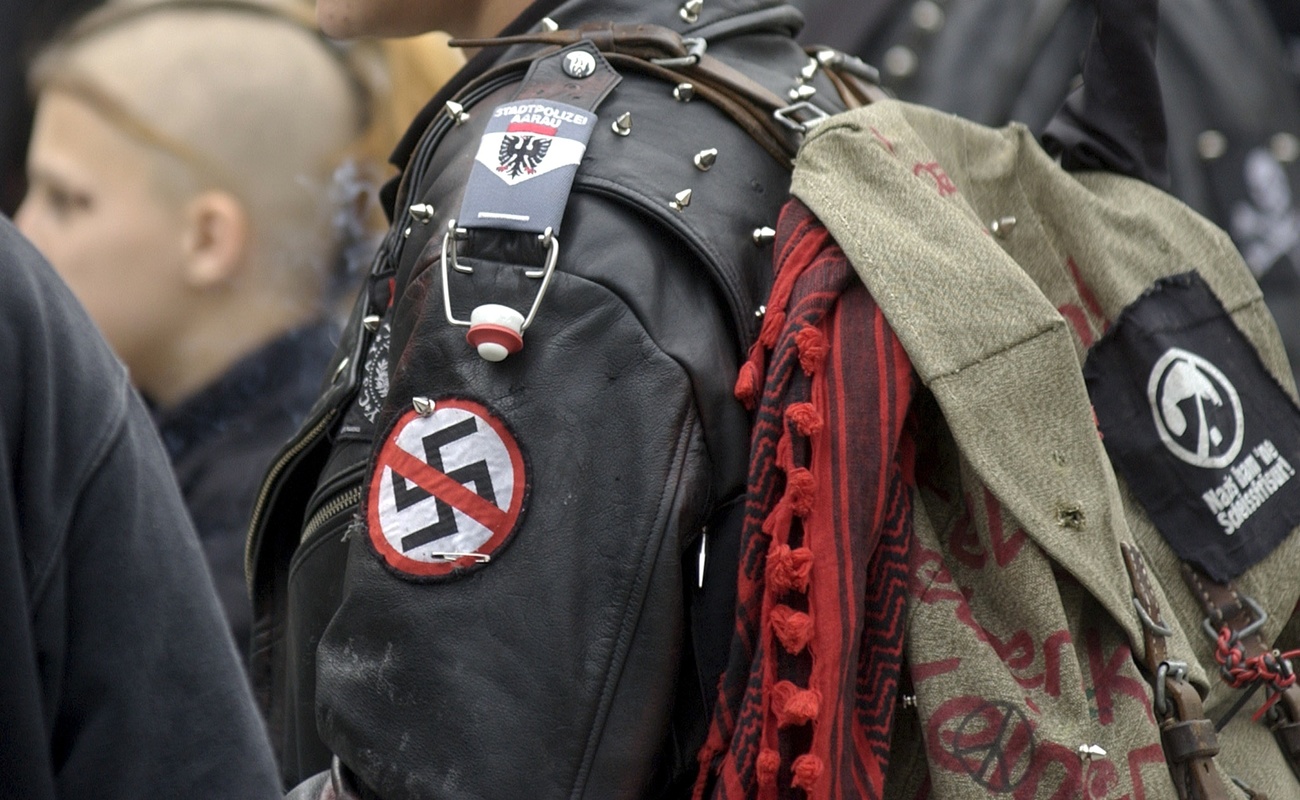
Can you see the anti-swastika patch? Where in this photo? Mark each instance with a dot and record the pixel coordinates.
(1203, 434)
(447, 491)
(525, 165)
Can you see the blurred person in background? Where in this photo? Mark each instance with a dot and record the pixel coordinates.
(26, 26)
(197, 175)
(1229, 74)
(414, 68)
(117, 676)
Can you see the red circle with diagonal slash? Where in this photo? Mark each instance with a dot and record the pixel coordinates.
(447, 490)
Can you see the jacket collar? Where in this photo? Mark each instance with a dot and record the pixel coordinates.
(281, 378)
(716, 18)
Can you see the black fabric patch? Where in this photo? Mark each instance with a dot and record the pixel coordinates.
(1203, 434)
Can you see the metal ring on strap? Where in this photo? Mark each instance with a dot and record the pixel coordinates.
(1261, 616)
(695, 48)
(1150, 624)
(1175, 669)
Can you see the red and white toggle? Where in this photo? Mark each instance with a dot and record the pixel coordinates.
(496, 331)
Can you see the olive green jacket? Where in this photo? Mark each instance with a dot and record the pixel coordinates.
(998, 271)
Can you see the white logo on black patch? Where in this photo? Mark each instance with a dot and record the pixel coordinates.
(447, 489)
(1197, 411)
(374, 383)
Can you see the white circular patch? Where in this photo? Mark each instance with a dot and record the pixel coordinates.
(1197, 411)
(447, 489)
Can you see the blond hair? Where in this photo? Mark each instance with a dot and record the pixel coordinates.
(243, 96)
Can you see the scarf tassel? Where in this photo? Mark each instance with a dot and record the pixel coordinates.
(813, 348)
(793, 629)
(805, 418)
(807, 770)
(789, 569)
(794, 706)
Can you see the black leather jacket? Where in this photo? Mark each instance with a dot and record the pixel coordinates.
(609, 445)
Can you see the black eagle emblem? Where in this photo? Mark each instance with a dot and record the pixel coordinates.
(522, 154)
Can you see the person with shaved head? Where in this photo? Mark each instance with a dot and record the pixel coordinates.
(194, 178)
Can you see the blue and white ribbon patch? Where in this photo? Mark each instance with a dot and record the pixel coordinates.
(525, 166)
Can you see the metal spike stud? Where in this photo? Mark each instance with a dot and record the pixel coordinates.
(422, 213)
(684, 92)
(623, 125)
(457, 112)
(809, 70)
(690, 11)
(422, 405)
(763, 235)
(371, 322)
(802, 92)
(680, 200)
(1002, 226)
(705, 159)
(549, 25)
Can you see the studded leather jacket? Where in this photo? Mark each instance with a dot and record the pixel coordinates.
(514, 578)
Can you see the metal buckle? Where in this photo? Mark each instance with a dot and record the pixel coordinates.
(1175, 669)
(1150, 624)
(695, 48)
(548, 240)
(1261, 616)
(786, 116)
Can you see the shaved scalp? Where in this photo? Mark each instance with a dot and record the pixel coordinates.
(249, 103)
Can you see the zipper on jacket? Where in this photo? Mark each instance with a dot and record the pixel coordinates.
(272, 477)
(340, 493)
(345, 502)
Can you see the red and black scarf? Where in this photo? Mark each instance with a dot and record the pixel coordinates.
(806, 705)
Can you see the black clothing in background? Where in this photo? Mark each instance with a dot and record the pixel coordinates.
(1231, 97)
(25, 26)
(222, 439)
(117, 676)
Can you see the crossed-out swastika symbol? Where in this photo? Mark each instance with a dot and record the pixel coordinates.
(476, 473)
(448, 487)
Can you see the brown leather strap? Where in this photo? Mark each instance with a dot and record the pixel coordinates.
(1189, 740)
(1190, 744)
(1153, 630)
(761, 126)
(646, 42)
(1224, 606)
(663, 53)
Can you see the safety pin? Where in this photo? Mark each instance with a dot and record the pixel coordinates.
(481, 558)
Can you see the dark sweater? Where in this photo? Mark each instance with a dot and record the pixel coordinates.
(117, 676)
(222, 439)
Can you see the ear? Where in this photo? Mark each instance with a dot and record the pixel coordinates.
(217, 239)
